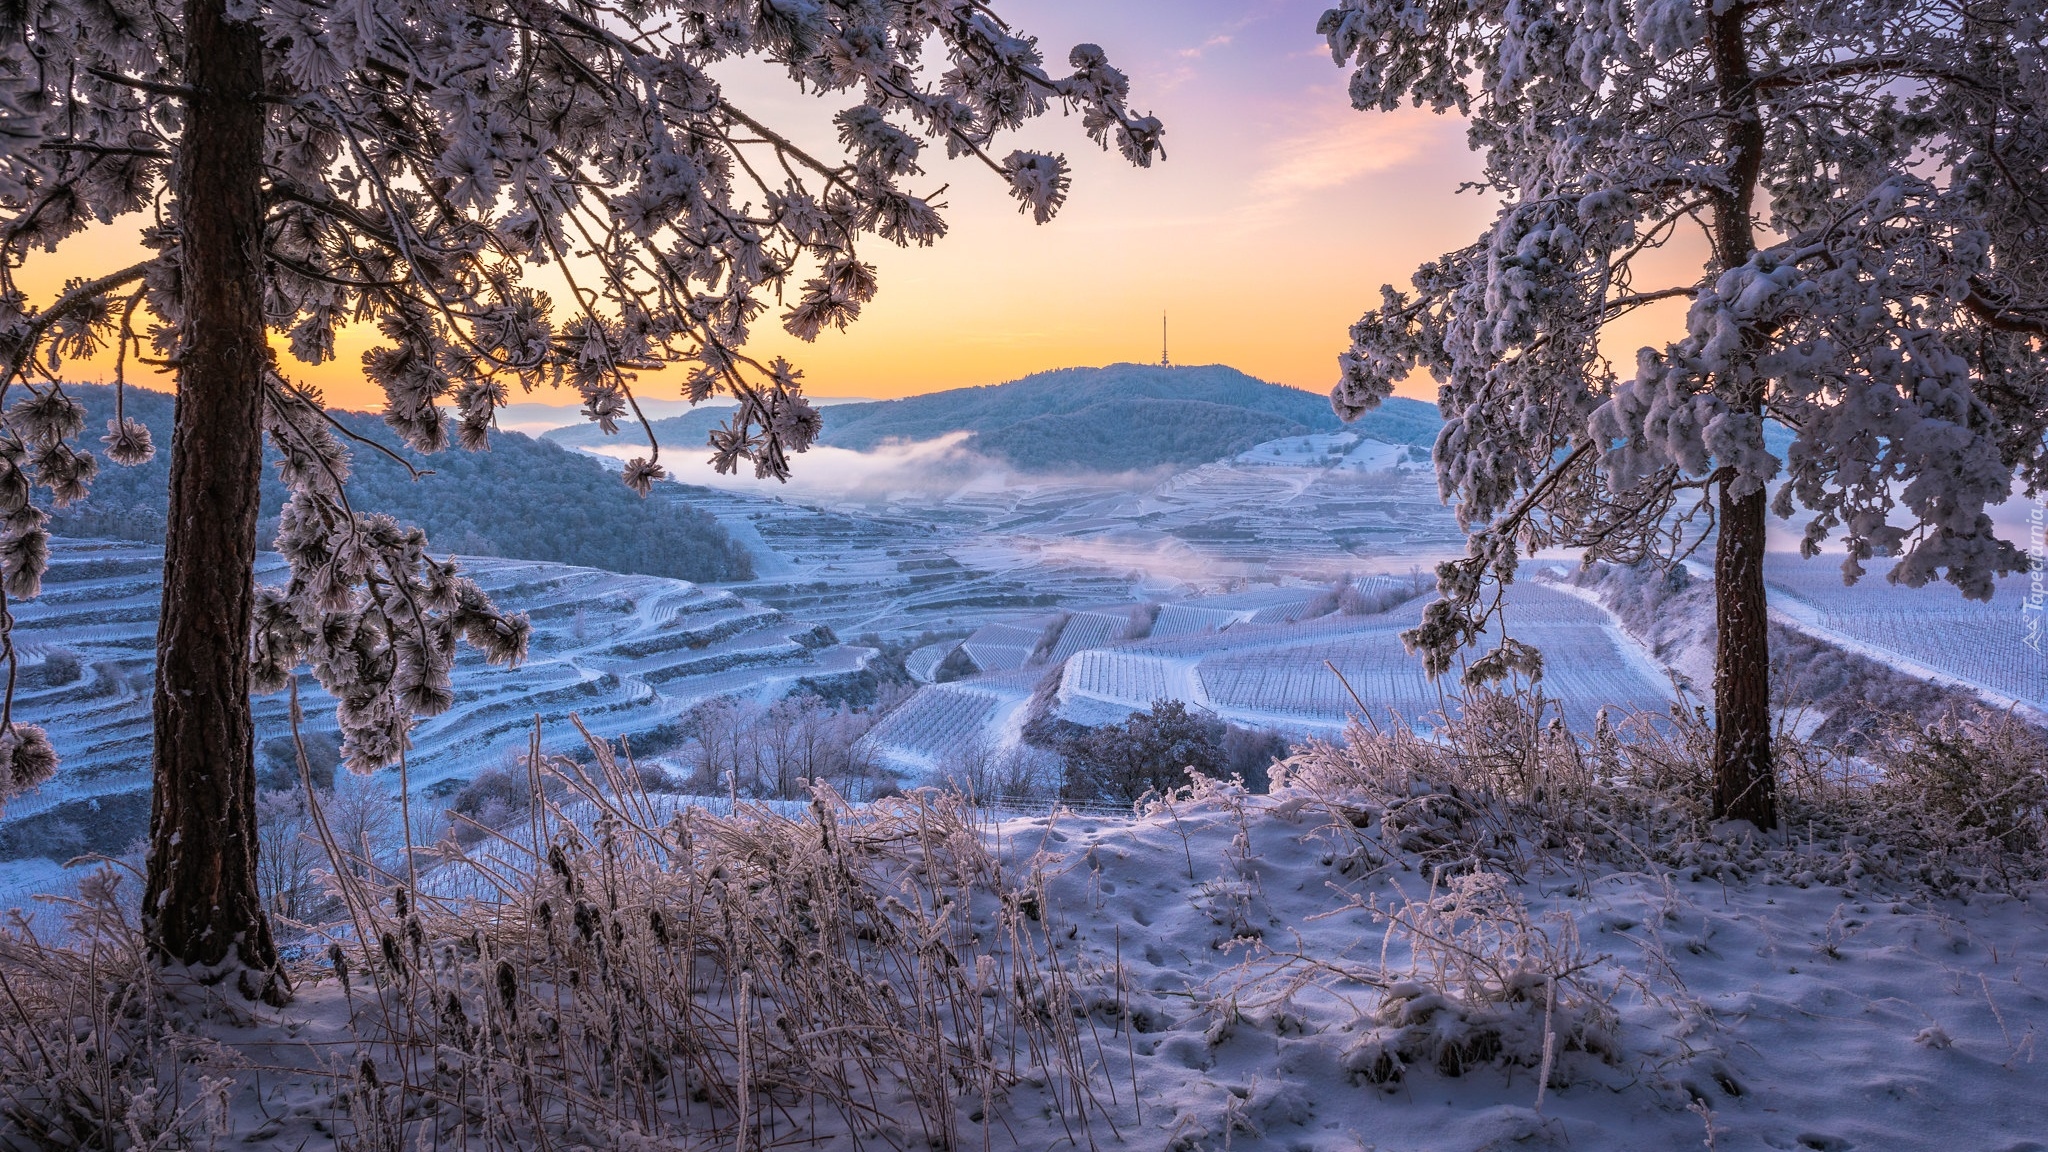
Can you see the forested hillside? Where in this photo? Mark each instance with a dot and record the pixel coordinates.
(1083, 419)
(525, 499)
(1119, 435)
(1066, 391)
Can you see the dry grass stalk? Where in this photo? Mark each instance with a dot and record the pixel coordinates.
(619, 973)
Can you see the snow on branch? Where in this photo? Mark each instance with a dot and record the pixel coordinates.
(1869, 180)
(426, 163)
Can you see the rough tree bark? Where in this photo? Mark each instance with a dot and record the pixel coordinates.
(1745, 787)
(1744, 778)
(200, 904)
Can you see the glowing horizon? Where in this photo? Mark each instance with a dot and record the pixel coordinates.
(1268, 230)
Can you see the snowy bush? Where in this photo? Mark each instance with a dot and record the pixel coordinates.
(288, 854)
(96, 1056)
(780, 750)
(493, 799)
(1486, 985)
(1974, 788)
(985, 772)
(1150, 752)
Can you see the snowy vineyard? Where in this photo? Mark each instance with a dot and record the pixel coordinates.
(1996, 645)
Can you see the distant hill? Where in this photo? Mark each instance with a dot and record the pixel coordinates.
(1120, 435)
(525, 499)
(535, 418)
(1067, 391)
(1089, 419)
(685, 433)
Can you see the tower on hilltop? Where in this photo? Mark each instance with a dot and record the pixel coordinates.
(1165, 361)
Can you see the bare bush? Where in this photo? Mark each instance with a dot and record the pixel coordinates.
(1486, 985)
(367, 818)
(288, 857)
(58, 667)
(1143, 617)
(779, 751)
(985, 772)
(492, 799)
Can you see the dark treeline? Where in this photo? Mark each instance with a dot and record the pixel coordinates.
(524, 499)
(1122, 435)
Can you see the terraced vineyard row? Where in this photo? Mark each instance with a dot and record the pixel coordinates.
(1997, 645)
(934, 725)
(1991, 648)
(1088, 630)
(628, 653)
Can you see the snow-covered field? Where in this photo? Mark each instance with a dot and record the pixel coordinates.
(1004, 547)
(1996, 646)
(1314, 675)
(624, 652)
(1043, 578)
(1249, 657)
(927, 737)
(628, 654)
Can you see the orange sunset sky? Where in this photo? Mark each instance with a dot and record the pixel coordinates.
(1268, 230)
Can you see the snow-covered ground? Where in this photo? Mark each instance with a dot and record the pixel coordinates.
(1325, 971)
(1769, 1012)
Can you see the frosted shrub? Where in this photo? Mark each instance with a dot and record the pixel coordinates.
(649, 968)
(1504, 784)
(1149, 752)
(93, 1054)
(1971, 788)
(1486, 985)
(364, 816)
(613, 971)
(287, 856)
(1503, 780)
(779, 750)
(985, 773)
(493, 799)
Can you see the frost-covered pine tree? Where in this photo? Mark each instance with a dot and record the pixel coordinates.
(1866, 185)
(515, 193)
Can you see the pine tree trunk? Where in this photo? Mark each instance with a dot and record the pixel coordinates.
(200, 906)
(1744, 786)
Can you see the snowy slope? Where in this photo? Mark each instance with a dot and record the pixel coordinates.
(627, 653)
(1772, 1011)
(1280, 675)
(1995, 646)
(1279, 974)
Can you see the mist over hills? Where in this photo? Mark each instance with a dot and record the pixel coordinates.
(525, 499)
(1113, 419)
